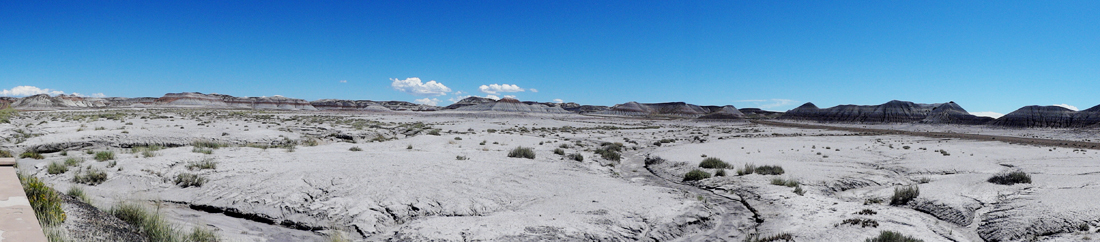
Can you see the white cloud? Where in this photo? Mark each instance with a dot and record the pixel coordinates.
(770, 103)
(28, 91)
(498, 88)
(427, 101)
(343, 81)
(558, 100)
(1070, 107)
(494, 97)
(412, 85)
(457, 98)
(533, 90)
(988, 114)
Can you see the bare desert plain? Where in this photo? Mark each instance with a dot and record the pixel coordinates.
(467, 176)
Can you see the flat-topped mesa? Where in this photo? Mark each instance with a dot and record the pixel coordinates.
(890, 112)
(952, 113)
(188, 99)
(348, 105)
(512, 105)
(62, 101)
(727, 112)
(1037, 117)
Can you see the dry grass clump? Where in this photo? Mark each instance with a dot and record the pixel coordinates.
(559, 151)
(90, 176)
(208, 144)
(784, 182)
(891, 236)
(355, 148)
(748, 169)
(56, 168)
(713, 163)
(104, 155)
(78, 192)
(902, 196)
(610, 151)
(769, 170)
(720, 172)
(73, 161)
(695, 175)
(202, 165)
(863, 223)
(522, 152)
(1011, 178)
(186, 180)
(575, 156)
(5, 154)
(779, 237)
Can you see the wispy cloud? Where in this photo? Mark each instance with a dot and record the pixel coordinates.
(343, 81)
(533, 90)
(499, 88)
(21, 91)
(988, 114)
(412, 85)
(558, 100)
(494, 97)
(1070, 107)
(769, 103)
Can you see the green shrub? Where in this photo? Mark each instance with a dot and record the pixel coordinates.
(355, 148)
(461, 158)
(5, 154)
(902, 196)
(521, 152)
(720, 172)
(713, 163)
(779, 237)
(202, 150)
(784, 182)
(575, 156)
(695, 175)
(157, 229)
(89, 152)
(44, 200)
(434, 132)
(1011, 178)
(73, 161)
(56, 168)
(310, 142)
(90, 176)
(891, 236)
(559, 151)
(104, 155)
(564, 146)
(186, 180)
(32, 155)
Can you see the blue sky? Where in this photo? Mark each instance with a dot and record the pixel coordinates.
(986, 56)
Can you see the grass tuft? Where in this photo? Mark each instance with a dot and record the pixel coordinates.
(5, 154)
(32, 155)
(202, 165)
(355, 148)
(1011, 178)
(157, 229)
(902, 196)
(748, 169)
(769, 170)
(521, 152)
(90, 176)
(56, 168)
(576, 157)
(104, 155)
(78, 193)
(186, 180)
(73, 161)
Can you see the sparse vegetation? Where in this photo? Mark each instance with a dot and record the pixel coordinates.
(90, 176)
(720, 172)
(73, 161)
(784, 182)
(355, 148)
(32, 155)
(774, 238)
(713, 163)
(610, 151)
(104, 155)
(891, 236)
(863, 223)
(521, 152)
(748, 169)
(434, 132)
(653, 160)
(5, 153)
(461, 158)
(207, 144)
(695, 175)
(559, 151)
(1011, 178)
(902, 196)
(186, 180)
(78, 193)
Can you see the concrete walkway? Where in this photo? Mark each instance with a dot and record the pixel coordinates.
(17, 221)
